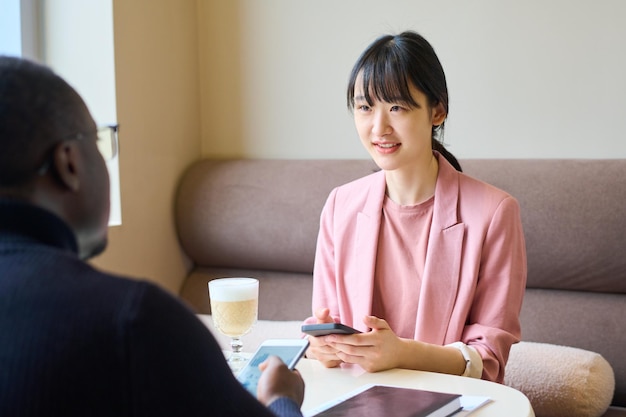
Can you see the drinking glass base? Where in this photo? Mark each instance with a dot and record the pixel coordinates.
(236, 362)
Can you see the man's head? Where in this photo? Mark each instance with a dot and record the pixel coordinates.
(48, 151)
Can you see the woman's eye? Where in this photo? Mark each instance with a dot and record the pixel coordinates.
(396, 108)
(363, 107)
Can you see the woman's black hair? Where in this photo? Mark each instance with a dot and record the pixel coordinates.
(390, 65)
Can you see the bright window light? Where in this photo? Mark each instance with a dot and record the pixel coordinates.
(74, 38)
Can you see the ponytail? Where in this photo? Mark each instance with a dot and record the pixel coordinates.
(438, 146)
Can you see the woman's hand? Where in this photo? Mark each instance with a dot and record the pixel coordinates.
(380, 349)
(374, 351)
(318, 348)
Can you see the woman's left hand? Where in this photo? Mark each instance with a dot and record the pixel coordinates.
(374, 351)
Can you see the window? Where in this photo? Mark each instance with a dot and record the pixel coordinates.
(10, 28)
(75, 38)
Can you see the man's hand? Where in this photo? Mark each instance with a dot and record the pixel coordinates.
(278, 381)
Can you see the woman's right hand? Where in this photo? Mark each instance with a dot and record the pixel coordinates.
(318, 349)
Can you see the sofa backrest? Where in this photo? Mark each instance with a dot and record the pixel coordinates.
(573, 212)
(257, 214)
(264, 214)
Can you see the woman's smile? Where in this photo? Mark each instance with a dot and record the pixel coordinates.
(386, 147)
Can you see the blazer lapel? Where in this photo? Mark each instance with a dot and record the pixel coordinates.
(443, 260)
(367, 230)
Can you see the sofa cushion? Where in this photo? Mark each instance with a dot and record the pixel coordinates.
(561, 381)
(586, 320)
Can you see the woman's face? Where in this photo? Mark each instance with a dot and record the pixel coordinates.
(395, 135)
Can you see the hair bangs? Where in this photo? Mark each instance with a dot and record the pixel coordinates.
(384, 77)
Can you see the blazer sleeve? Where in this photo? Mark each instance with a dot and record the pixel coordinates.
(493, 323)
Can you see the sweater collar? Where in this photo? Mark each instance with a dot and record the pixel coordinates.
(32, 222)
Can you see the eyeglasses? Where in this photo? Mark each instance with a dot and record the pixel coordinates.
(106, 139)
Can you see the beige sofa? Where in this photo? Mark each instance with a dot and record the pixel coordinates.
(260, 218)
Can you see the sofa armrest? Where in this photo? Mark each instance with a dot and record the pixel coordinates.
(561, 380)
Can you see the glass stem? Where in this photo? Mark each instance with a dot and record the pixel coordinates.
(236, 345)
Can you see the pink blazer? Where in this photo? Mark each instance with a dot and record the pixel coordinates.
(475, 268)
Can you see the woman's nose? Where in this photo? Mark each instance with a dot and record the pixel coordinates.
(381, 125)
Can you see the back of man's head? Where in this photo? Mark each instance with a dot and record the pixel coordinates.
(48, 151)
(36, 107)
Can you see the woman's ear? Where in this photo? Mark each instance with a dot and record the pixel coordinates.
(438, 115)
(65, 163)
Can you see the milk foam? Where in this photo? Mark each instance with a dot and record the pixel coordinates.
(234, 289)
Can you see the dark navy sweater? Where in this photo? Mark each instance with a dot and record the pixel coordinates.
(75, 341)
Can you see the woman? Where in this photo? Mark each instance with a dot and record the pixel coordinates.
(428, 262)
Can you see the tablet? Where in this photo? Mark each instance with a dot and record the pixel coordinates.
(288, 350)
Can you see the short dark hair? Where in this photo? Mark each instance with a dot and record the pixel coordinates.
(390, 65)
(36, 107)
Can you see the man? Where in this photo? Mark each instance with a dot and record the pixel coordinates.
(76, 341)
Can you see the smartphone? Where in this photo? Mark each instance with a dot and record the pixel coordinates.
(288, 350)
(322, 329)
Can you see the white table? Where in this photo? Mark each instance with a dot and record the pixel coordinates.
(323, 385)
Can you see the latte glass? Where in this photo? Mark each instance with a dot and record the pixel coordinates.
(234, 307)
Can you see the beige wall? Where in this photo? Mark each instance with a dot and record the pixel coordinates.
(219, 39)
(527, 79)
(158, 105)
